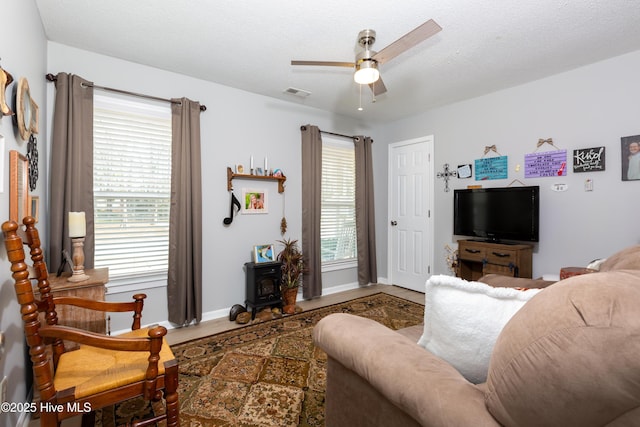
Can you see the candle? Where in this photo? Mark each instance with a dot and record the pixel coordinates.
(251, 162)
(266, 166)
(77, 224)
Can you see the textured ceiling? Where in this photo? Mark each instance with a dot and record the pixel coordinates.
(485, 45)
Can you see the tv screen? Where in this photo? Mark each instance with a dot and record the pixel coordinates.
(495, 214)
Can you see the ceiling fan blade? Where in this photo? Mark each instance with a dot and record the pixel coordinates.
(407, 41)
(325, 63)
(378, 87)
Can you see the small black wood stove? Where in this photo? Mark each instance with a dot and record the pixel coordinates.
(263, 285)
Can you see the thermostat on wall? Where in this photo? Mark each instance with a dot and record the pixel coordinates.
(559, 187)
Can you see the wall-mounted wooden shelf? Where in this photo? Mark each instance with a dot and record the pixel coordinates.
(231, 176)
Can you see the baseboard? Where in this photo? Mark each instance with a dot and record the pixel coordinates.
(383, 281)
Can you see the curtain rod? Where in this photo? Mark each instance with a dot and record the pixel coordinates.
(335, 134)
(338, 134)
(50, 77)
(341, 135)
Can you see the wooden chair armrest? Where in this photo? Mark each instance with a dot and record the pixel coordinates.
(107, 306)
(95, 339)
(135, 306)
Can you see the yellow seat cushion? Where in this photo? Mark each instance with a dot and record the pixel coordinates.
(92, 370)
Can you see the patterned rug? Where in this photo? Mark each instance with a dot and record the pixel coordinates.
(265, 374)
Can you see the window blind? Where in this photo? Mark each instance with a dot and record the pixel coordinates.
(338, 212)
(132, 186)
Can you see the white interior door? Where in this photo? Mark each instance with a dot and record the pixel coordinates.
(410, 206)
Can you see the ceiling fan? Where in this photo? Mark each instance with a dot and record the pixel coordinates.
(367, 61)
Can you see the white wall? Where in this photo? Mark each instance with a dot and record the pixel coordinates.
(23, 54)
(236, 125)
(591, 106)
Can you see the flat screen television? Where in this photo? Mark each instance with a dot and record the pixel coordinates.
(496, 214)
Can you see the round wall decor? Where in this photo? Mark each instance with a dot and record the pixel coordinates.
(26, 110)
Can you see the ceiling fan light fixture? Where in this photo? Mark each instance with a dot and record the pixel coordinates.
(366, 72)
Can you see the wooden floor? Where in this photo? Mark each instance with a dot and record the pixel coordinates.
(180, 335)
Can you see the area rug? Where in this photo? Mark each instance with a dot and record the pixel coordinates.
(263, 375)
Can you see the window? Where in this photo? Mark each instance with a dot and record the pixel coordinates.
(132, 186)
(338, 216)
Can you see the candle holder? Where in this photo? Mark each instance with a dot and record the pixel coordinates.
(78, 260)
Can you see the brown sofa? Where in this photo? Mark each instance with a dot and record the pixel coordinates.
(569, 357)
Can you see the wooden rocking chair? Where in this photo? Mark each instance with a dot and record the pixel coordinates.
(104, 370)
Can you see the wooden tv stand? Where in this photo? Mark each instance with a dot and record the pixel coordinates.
(477, 258)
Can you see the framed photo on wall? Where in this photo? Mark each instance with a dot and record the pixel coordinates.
(254, 201)
(263, 253)
(630, 149)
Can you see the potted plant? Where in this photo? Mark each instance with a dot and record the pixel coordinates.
(293, 267)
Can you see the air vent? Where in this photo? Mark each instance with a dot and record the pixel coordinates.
(297, 92)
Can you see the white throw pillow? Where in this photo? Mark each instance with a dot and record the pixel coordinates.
(462, 321)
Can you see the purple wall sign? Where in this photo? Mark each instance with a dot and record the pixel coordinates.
(550, 163)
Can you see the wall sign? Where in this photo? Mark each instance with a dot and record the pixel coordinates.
(588, 159)
(550, 163)
(491, 168)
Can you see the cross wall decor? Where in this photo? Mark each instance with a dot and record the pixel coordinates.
(446, 174)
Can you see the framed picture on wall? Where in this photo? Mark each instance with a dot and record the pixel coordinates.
(19, 204)
(630, 149)
(254, 201)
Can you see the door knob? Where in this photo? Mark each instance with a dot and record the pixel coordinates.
(394, 223)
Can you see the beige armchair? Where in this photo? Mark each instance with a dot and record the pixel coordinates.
(568, 357)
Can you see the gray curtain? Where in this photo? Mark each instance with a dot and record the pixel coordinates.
(365, 209)
(311, 204)
(184, 281)
(71, 166)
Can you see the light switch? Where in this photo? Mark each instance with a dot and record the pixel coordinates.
(588, 185)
